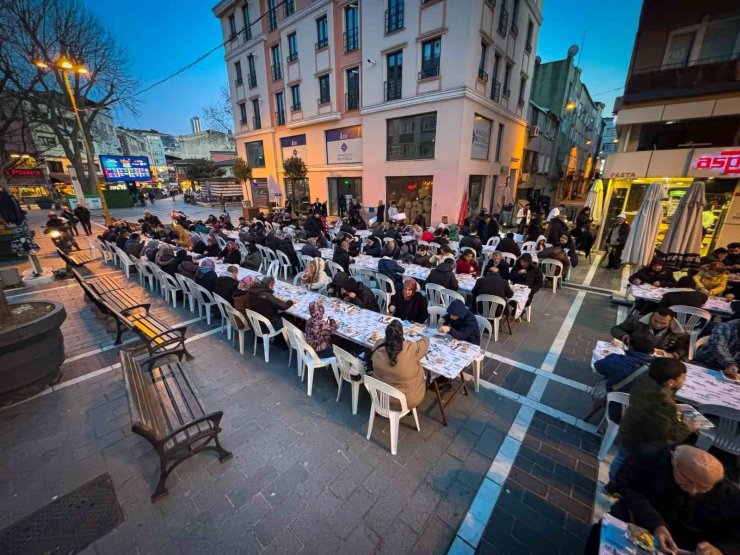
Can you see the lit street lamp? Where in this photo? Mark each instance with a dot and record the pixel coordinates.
(64, 65)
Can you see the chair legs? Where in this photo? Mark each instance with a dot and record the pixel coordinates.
(241, 341)
(371, 421)
(609, 437)
(416, 419)
(266, 346)
(355, 394)
(394, 418)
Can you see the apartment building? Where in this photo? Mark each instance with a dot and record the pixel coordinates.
(422, 102)
(679, 117)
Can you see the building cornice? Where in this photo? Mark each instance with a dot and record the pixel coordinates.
(236, 52)
(332, 116)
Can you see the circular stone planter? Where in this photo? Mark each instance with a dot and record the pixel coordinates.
(31, 352)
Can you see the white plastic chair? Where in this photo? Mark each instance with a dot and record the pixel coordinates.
(310, 361)
(486, 306)
(221, 242)
(510, 258)
(124, 262)
(292, 333)
(381, 394)
(273, 269)
(694, 344)
(187, 294)
(297, 278)
(332, 268)
(113, 254)
(434, 294)
(530, 247)
(726, 432)
(612, 428)
(493, 241)
(145, 274)
(256, 321)
(448, 295)
(304, 260)
(104, 250)
(552, 269)
(692, 320)
(154, 271)
(170, 287)
(386, 285)
(349, 366)
(435, 313)
(483, 325)
(382, 300)
(285, 266)
(236, 323)
(434, 247)
(468, 249)
(205, 301)
(221, 304)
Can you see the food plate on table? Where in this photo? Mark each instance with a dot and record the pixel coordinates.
(727, 378)
(693, 417)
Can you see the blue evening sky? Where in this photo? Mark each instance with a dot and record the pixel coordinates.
(161, 36)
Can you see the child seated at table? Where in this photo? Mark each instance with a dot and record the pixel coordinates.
(319, 330)
(315, 276)
(619, 368)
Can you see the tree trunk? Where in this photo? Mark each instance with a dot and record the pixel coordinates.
(4, 308)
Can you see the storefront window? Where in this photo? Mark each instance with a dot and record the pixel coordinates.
(411, 138)
(297, 191)
(255, 154)
(260, 193)
(413, 195)
(340, 189)
(476, 185)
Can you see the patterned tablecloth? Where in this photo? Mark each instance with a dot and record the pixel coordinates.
(703, 386)
(446, 357)
(652, 293)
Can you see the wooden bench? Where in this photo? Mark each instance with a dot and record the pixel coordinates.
(104, 284)
(76, 259)
(167, 410)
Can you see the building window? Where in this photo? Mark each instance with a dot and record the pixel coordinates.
(55, 166)
(277, 68)
(238, 72)
(482, 62)
(242, 113)
(271, 15)
(247, 23)
(499, 141)
(522, 90)
(295, 97)
(292, 47)
(255, 154)
(352, 102)
(503, 18)
(394, 16)
(530, 36)
(412, 190)
(324, 90)
(322, 33)
(260, 192)
(431, 51)
(412, 137)
(496, 87)
(289, 7)
(394, 73)
(507, 79)
(514, 17)
(252, 75)
(232, 27)
(256, 119)
(351, 26)
(481, 137)
(280, 108)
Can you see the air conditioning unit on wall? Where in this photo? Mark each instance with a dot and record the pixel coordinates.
(534, 131)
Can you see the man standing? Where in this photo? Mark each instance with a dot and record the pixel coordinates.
(316, 206)
(151, 196)
(616, 240)
(381, 212)
(83, 214)
(392, 212)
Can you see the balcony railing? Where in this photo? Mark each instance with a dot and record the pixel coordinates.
(514, 29)
(289, 7)
(351, 39)
(352, 101)
(506, 92)
(272, 20)
(239, 81)
(496, 91)
(323, 100)
(322, 43)
(392, 89)
(432, 70)
(292, 57)
(482, 75)
(528, 47)
(503, 21)
(252, 79)
(243, 121)
(394, 19)
(280, 118)
(257, 122)
(296, 107)
(277, 72)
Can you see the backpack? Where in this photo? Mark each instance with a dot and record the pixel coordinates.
(600, 390)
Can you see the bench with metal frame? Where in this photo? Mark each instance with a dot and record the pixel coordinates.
(166, 410)
(76, 259)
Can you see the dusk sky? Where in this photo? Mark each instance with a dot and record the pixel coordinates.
(161, 36)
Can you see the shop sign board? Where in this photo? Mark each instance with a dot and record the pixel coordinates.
(344, 145)
(294, 147)
(715, 163)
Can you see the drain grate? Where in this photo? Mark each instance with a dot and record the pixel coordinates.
(68, 524)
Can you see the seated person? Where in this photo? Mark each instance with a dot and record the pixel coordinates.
(498, 264)
(187, 268)
(440, 238)
(423, 256)
(231, 254)
(722, 351)
(526, 273)
(492, 283)
(717, 255)
(342, 257)
(253, 260)
(164, 256)
(226, 284)
(444, 274)
(392, 270)
(151, 250)
(507, 244)
(240, 297)
(669, 337)
(460, 323)
(263, 301)
(286, 247)
(685, 294)
(466, 264)
(212, 249)
(310, 248)
(680, 495)
(354, 292)
(391, 249)
(319, 330)
(472, 240)
(618, 368)
(180, 256)
(409, 304)
(398, 363)
(654, 274)
(206, 274)
(373, 247)
(428, 235)
(314, 276)
(556, 252)
(712, 279)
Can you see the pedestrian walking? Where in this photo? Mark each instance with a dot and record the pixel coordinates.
(71, 220)
(173, 194)
(83, 215)
(151, 197)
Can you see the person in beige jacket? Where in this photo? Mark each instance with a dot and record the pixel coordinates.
(398, 363)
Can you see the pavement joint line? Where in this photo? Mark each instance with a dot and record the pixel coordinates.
(592, 270)
(35, 291)
(540, 372)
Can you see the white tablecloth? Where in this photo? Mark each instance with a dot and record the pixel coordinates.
(652, 293)
(703, 386)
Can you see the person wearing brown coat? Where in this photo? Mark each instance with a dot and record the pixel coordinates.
(398, 363)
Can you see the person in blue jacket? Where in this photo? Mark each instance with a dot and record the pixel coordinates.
(460, 323)
(393, 270)
(616, 367)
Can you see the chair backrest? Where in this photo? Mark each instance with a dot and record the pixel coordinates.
(292, 332)
(141, 267)
(222, 305)
(273, 269)
(306, 352)
(255, 321)
(484, 325)
(695, 344)
(203, 294)
(487, 306)
(619, 398)
(123, 257)
(385, 283)
(347, 363)
(381, 393)
(382, 300)
(297, 278)
(332, 268)
(421, 242)
(510, 258)
(726, 427)
(434, 247)
(169, 281)
(551, 267)
(434, 294)
(493, 241)
(466, 249)
(221, 242)
(283, 259)
(435, 313)
(448, 295)
(304, 260)
(184, 285)
(271, 255)
(530, 247)
(690, 318)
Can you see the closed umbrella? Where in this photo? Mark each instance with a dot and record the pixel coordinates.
(682, 242)
(595, 200)
(640, 245)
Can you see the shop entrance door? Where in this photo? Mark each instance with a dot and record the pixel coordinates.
(341, 189)
(476, 186)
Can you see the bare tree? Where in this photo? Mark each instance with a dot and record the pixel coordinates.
(47, 31)
(218, 115)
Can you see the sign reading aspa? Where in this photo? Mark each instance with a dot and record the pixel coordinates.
(715, 163)
(294, 147)
(344, 146)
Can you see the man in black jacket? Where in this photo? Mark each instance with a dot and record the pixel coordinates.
(83, 214)
(373, 247)
(472, 240)
(381, 212)
(685, 294)
(680, 495)
(444, 274)
(313, 225)
(507, 244)
(526, 273)
(310, 248)
(491, 284)
(226, 284)
(499, 265)
(354, 292)
(341, 255)
(263, 301)
(616, 239)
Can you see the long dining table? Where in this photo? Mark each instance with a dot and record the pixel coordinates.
(716, 305)
(447, 357)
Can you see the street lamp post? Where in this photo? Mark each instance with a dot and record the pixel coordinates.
(65, 66)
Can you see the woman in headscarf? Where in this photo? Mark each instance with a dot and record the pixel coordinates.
(253, 260)
(152, 247)
(712, 279)
(231, 254)
(164, 256)
(454, 233)
(241, 295)
(212, 247)
(315, 276)
(319, 330)
(398, 363)
(171, 267)
(409, 304)
(206, 274)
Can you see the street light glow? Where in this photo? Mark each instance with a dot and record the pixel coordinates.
(570, 105)
(65, 64)
(41, 65)
(82, 70)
